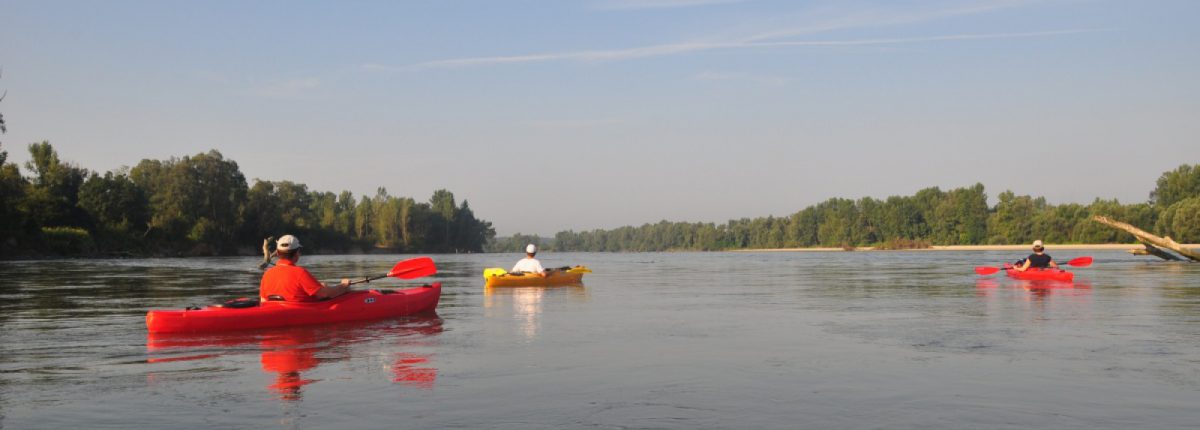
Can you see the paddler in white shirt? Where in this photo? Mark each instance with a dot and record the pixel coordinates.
(530, 264)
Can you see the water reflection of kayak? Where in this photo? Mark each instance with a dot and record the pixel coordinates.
(353, 306)
(287, 353)
(497, 277)
(986, 285)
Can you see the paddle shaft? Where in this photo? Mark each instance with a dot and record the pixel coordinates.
(364, 280)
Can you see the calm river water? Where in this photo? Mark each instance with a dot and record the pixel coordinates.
(679, 340)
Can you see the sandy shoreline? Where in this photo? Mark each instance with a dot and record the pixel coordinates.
(1050, 247)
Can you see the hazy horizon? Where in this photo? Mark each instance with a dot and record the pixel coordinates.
(599, 114)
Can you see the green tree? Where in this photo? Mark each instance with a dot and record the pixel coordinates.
(118, 208)
(345, 214)
(1176, 185)
(442, 204)
(1141, 215)
(801, 231)
(388, 220)
(960, 218)
(195, 202)
(902, 218)
(870, 217)
(12, 191)
(324, 207)
(53, 195)
(364, 218)
(838, 223)
(295, 207)
(13, 220)
(1056, 223)
(1012, 221)
(472, 233)
(262, 213)
(405, 222)
(1181, 220)
(333, 216)
(201, 204)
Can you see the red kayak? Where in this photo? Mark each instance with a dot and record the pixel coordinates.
(1034, 274)
(248, 314)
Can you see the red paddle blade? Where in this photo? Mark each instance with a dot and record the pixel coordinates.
(413, 268)
(985, 270)
(1080, 262)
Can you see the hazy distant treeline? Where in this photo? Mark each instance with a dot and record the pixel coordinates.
(959, 216)
(202, 205)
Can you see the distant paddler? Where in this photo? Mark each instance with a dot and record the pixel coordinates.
(529, 264)
(529, 273)
(1039, 259)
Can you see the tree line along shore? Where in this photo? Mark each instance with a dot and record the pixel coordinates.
(203, 205)
(929, 219)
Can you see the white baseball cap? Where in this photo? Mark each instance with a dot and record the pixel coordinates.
(531, 249)
(1037, 243)
(287, 243)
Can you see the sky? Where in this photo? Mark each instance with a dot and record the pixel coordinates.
(575, 115)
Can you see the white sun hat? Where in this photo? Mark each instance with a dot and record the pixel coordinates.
(287, 243)
(531, 249)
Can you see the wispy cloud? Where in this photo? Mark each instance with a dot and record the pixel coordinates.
(656, 4)
(288, 88)
(582, 56)
(842, 18)
(904, 40)
(823, 21)
(681, 48)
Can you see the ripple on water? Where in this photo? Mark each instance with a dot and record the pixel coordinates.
(707, 340)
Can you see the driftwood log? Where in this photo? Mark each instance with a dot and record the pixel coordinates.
(1153, 244)
(1155, 251)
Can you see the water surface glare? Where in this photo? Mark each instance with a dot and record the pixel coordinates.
(652, 340)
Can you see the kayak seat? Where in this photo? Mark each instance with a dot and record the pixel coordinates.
(274, 298)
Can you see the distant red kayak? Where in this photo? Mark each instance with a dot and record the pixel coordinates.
(1033, 274)
(353, 306)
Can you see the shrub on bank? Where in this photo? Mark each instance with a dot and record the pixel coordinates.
(897, 243)
(67, 240)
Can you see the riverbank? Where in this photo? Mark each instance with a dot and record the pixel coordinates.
(1050, 247)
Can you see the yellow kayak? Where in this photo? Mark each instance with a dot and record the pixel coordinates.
(497, 277)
